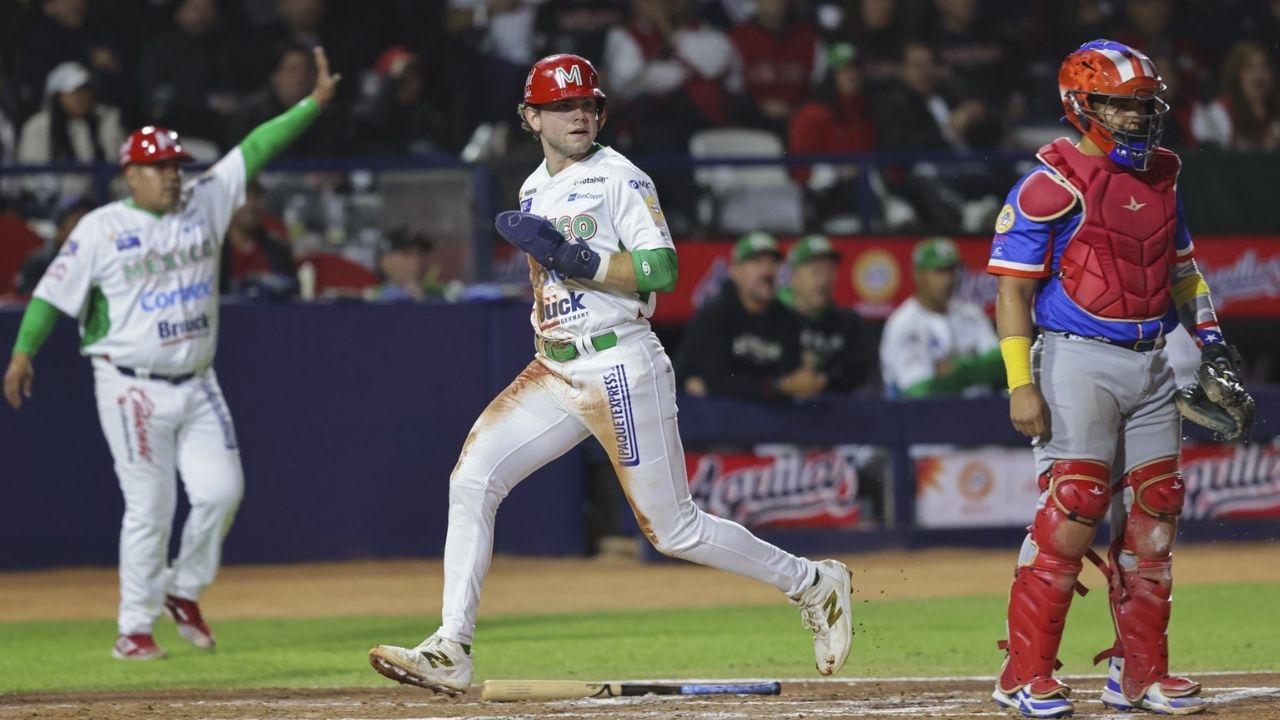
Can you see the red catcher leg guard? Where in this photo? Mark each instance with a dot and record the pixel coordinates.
(1141, 593)
(1078, 496)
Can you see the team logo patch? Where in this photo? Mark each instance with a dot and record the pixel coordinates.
(526, 204)
(1004, 221)
(69, 249)
(124, 242)
(623, 420)
(654, 210)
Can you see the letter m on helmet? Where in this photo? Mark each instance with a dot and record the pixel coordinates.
(571, 76)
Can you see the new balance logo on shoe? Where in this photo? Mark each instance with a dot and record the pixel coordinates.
(832, 607)
(437, 659)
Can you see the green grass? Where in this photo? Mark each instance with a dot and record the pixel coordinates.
(1215, 627)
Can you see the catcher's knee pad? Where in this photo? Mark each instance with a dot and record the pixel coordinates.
(1157, 488)
(1077, 494)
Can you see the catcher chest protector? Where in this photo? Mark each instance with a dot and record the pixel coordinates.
(1118, 264)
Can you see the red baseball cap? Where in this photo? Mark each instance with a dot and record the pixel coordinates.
(152, 144)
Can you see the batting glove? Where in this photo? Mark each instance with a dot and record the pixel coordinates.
(538, 237)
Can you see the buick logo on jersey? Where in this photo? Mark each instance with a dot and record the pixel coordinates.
(128, 240)
(564, 306)
(184, 329)
(621, 417)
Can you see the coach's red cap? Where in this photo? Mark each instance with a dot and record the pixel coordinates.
(152, 144)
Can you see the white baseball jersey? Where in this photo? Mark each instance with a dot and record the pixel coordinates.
(145, 287)
(915, 339)
(612, 206)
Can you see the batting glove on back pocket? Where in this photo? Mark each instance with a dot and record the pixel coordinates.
(544, 243)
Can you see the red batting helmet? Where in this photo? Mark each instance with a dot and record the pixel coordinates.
(561, 77)
(152, 144)
(1100, 72)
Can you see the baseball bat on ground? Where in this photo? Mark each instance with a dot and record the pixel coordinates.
(508, 690)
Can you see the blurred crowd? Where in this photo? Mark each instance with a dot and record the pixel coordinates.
(441, 78)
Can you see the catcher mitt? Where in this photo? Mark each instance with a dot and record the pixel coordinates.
(1218, 401)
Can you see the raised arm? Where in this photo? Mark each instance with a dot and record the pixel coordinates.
(271, 137)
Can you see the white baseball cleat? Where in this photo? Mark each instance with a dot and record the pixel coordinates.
(438, 664)
(1184, 700)
(1052, 700)
(826, 608)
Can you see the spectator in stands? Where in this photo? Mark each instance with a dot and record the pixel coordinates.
(256, 260)
(71, 129)
(935, 344)
(305, 24)
(836, 121)
(577, 26)
(393, 115)
(979, 66)
(405, 268)
(187, 75)
(745, 343)
(913, 116)
(781, 59)
(875, 28)
(291, 81)
(669, 75)
(60, 37)
(831, 337)
(1247, 114)
(65, 216)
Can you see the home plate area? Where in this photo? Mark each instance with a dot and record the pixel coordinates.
(1230, 695)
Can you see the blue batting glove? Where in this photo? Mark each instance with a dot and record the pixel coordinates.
(538, 237)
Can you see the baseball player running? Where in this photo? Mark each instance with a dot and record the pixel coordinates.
(141, 277)
(1094, 240)
(599, 371)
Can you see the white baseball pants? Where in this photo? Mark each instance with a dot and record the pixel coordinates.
(153, 428)
(626, 397)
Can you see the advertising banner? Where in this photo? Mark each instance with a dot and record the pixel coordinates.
(785, 486)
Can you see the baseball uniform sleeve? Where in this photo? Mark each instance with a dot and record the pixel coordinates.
(637, 216)
(1023, 241)
(220, 190)
(72, 273)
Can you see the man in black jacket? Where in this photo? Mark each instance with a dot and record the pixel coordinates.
(831, 337)
(746, 343)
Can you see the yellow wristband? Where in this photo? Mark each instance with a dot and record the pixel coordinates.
(1016, 351)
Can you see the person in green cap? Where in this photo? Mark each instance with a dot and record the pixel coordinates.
(745, 343)
(935, 344)
(831, 337)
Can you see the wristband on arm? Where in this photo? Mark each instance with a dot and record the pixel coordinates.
(1016, 351)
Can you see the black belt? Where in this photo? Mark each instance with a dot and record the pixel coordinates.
(148, 375)
(1142, 346)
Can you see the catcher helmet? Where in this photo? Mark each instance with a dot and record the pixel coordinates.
(152, 144)
(1100, 73)
(561, 77)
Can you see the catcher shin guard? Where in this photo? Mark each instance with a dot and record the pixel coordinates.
(1076, 496)
(1140, 577)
